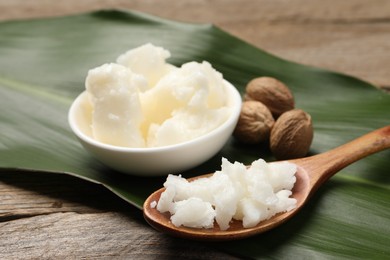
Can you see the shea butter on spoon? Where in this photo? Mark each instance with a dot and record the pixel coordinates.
(311, 173)
(249, 194)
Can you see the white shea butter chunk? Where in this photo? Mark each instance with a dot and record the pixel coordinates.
(117, 113)
(191, 102)
(143, 101)
(194, 212)
(248, 194)
(147, 60)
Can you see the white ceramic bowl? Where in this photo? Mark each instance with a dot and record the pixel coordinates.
(159, 160)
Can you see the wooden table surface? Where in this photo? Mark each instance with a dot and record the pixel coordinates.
(44, 216)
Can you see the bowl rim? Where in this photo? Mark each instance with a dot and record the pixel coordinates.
(233, 118)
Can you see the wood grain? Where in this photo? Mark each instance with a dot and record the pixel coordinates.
(47, 217)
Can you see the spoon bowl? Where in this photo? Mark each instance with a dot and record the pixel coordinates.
(311, 173)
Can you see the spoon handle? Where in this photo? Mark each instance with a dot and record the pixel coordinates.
(323, 166)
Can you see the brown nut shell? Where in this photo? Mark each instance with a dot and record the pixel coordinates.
(254, 124)
(292, 135)
(272, 93)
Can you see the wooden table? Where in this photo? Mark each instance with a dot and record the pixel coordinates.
(45, 216)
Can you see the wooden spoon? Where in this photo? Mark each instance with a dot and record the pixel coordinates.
(311, 174)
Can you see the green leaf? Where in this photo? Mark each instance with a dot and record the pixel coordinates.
(43, 67)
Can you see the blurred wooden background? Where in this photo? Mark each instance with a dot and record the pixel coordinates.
(351, 36)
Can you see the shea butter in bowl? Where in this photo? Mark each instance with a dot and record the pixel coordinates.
(143, 116)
